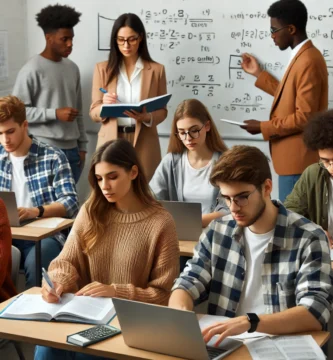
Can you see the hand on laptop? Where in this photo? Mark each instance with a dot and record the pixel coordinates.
(27, 213)
(235, 326)
(97, 289)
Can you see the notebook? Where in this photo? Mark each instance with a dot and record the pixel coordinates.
(167, 331)
(188, 218)
(9, 199)
(81, 309)
(151, 104)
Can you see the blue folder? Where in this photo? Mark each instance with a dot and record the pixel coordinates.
(117, 110)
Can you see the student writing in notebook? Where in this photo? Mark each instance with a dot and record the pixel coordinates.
(265, 267)
(312, 195)
(130, 75)
(194, 146)
(40, 176)
(123, 242)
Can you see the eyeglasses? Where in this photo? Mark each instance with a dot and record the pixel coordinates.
(273, 30)
(130, 41)
(193, 134)
(325, 164)
(239, 200)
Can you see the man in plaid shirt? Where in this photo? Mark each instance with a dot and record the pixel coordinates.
(41, 178)
(266, 268)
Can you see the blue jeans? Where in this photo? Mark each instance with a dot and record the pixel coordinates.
(286, 185)
(73, 158)
(48, 353)
(50, 249)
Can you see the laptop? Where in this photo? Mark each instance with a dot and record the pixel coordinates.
(9, 199)
(188, 218)
(167, 331)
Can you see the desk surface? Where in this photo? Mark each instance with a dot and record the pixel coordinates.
(54, 334)
(38, 233)
(186, 247)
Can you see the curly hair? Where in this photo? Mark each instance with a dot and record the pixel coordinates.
(54, 17)
(289, 12)
(318, 134)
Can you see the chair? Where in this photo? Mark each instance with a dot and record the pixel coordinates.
(16, 259)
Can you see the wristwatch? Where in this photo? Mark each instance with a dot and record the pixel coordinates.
(41, 211)
(254, 320)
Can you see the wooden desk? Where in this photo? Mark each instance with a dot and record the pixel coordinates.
(32, 233)
(186, 247)
(54, 335)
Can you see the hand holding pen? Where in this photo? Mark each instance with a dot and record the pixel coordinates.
(109, 98)
(51, 291)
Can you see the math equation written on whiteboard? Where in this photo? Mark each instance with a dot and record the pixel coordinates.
(202, 52)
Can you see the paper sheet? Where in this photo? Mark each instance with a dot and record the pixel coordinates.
(234, 122)
(207, 320)
(296, 347)
(50, 223)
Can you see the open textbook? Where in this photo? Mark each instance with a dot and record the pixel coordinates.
(151, 104)
(296, 347)
(82, 309)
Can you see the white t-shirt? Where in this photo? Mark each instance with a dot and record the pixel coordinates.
(252, 299)
(330, 208)
(19, 182)
(196, 185)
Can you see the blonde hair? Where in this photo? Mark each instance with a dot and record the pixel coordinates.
(12, 108)
(194, 108)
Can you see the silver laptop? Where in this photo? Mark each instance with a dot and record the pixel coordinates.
(9, 199)
(188, 218)
(167, 331)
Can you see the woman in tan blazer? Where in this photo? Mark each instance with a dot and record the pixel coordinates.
(130, 75)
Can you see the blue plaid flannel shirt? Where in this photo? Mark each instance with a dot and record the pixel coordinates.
(296, 269)
(49, 178)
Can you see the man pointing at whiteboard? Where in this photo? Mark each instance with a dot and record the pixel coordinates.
(302, 91)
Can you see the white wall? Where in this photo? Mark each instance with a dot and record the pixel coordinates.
(13, 21)
(29, 40)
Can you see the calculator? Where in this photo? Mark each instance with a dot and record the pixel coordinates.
(92, 335)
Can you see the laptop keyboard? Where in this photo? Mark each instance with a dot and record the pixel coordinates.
(213, 353)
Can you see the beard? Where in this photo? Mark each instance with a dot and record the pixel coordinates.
(254, 218)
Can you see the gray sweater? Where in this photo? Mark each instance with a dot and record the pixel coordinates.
(44, 86)
(167, 182)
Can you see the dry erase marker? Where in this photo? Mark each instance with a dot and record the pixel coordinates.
(103, 90)
(49, 282)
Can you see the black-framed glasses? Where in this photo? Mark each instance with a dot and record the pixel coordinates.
(273, 30)
(193, 134)
(325, 164)
(239, 200)
(130, 41)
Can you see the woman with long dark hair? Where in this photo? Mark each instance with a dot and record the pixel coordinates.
(130, 75)
(123, 242)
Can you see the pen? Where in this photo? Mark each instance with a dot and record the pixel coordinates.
(105, 92)
(49, 282)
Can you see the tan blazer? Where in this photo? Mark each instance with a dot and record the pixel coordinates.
(146, 141)
(302, 92)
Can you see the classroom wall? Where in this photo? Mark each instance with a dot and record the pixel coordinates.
(13, 42)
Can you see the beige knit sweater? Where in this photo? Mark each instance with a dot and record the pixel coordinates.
(139, 255)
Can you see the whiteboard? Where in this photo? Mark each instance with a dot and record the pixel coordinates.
(200, 43)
